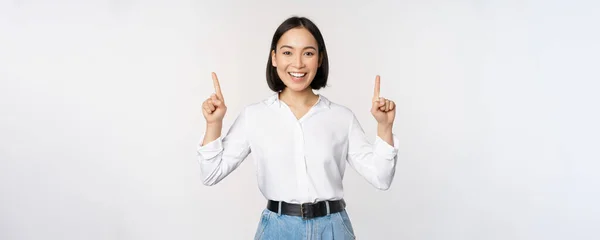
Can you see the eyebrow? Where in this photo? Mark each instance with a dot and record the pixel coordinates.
(293, 48)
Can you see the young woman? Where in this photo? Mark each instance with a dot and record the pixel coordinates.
(300, 140)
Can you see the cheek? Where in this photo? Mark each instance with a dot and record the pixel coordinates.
(282, 64)
(313, 60)
(313, 64)
(281, 72)
(281, 68)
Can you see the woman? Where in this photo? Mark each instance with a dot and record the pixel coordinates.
(301, 141)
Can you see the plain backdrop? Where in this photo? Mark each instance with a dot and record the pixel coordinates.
(497, 115)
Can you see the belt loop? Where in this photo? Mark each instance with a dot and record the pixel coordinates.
(279, 209)
(327, 205)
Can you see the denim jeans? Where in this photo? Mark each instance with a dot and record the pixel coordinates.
(274, 226)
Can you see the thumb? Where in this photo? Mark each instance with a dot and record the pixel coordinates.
(216, 101)
(219, 103)
(376, 104)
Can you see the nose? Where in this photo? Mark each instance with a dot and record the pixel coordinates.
(297, 62)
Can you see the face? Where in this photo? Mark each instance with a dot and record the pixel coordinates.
(296, 58)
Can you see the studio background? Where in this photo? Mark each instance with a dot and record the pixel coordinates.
(497, 115)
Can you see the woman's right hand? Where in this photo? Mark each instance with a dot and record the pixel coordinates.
(214, 107)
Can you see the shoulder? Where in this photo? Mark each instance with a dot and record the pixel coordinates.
(337, 109)
(258, 107)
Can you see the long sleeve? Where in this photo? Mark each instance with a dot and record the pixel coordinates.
(223, 155)
(375, 162)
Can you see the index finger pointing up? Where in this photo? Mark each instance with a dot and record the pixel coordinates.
(377, 86)
(217, 86)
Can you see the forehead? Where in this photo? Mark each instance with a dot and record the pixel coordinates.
(297, 38)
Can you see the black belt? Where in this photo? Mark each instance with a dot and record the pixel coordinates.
(307, 210)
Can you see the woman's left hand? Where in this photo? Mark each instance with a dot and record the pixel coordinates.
(384, 110)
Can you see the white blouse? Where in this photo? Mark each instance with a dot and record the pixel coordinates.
(299, 161)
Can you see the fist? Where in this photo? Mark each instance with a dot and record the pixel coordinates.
(214, 108)
(383, 110)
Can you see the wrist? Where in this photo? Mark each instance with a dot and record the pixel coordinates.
(217, 124)
(214, 129)
(385, 127)
(384, 130)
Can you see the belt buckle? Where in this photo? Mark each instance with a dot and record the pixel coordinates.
(305, 209)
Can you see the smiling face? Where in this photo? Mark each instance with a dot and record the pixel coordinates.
(296, 58)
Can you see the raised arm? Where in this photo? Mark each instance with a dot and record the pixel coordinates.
(219, 156)
(214, 110)
(375, 162)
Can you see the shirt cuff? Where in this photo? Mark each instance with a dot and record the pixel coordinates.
(211, 149)
(384, 149)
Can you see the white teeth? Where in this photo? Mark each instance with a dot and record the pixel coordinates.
(297, 74)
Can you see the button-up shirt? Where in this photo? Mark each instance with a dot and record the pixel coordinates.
(299, 160)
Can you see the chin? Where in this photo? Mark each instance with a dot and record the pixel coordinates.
(296, 87)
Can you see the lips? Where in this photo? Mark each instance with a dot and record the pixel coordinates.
(297, 76)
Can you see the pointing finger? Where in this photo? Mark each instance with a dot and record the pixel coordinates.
(377, 87)
(217, 86)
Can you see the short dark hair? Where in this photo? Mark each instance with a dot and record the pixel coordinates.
(320, 80)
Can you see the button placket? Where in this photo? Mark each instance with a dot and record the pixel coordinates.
(299, 157)
(301, 160)
(299, 152)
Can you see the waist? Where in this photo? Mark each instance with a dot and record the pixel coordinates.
(307, 210)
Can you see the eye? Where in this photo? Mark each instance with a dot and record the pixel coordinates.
(287, 53)
(309, 53)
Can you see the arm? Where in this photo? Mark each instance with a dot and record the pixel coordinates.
(384, 131)
(219, 157)
(213, 131)
(375, 162)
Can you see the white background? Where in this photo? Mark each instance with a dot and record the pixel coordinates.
(497, 115)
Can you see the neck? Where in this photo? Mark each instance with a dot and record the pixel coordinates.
(297, 99)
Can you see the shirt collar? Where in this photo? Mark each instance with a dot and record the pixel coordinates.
(274, 101)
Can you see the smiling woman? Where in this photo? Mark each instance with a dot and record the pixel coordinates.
(297, 52)
(301, 141)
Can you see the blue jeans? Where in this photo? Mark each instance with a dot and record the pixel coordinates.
(273, 226)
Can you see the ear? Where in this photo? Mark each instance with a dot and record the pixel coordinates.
(273, 59)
